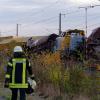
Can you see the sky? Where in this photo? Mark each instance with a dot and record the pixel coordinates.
(41, 17)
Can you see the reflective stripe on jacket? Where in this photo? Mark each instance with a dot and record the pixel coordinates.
(17, 72)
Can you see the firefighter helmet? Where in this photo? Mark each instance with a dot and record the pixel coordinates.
(18, 49)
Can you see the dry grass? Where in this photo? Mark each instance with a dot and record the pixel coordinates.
(53, 78)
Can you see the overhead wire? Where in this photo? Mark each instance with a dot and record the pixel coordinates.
(48, 19)
(45, 8)
(89, 18)
(93, 24)
(40, 11)
(49, 6)
(40, 21)
(79, 25)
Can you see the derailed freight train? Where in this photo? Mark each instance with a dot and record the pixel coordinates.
(70, 42)
(93, 44)
(43, 44)
(71, 39)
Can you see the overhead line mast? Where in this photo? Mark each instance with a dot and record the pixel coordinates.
(60, 15)
(86, 8)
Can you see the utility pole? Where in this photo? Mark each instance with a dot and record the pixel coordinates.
(0, 33)
(59, 23)
(86, 19)
(86, 9)
(17, 29)
(60, 15)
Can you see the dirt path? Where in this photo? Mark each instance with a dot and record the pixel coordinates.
(6, 93)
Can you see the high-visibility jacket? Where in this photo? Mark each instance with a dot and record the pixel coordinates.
(17, 72)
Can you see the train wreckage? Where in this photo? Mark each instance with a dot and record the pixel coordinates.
(72, 41)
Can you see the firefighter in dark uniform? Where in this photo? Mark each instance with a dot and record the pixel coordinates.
(16, 75)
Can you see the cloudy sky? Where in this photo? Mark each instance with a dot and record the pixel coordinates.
(41, 17)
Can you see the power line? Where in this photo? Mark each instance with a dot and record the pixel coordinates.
(86, 8)
(37, 22)
(94, 17)
(80, 25)
(41, 10)
(94, 24)
(8, 31)
(41, 21)
(49, 19)
(73, 12)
